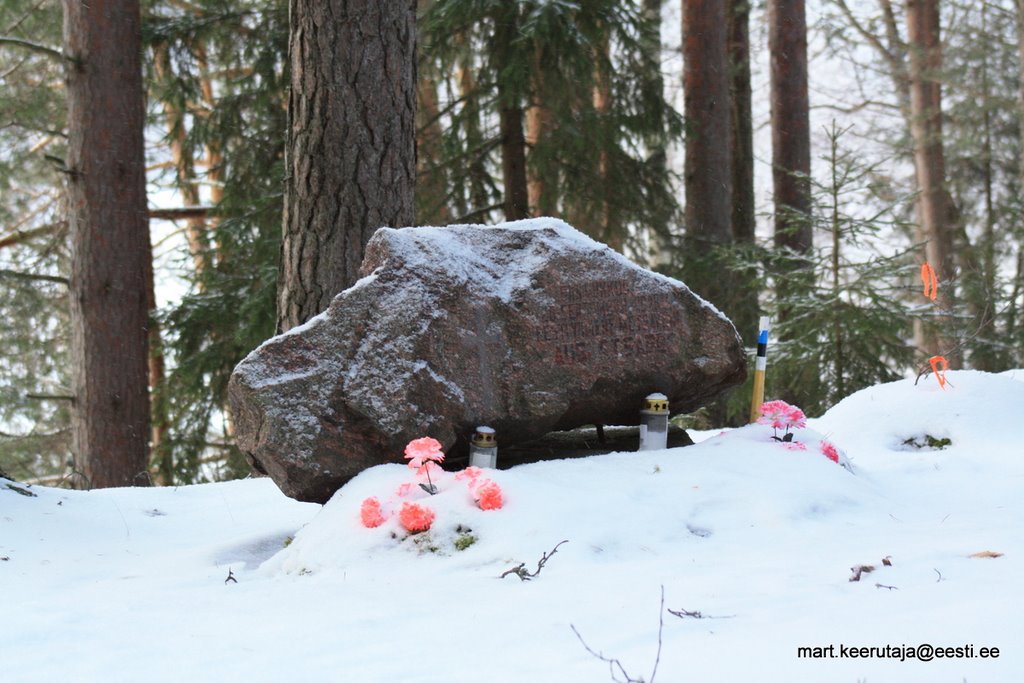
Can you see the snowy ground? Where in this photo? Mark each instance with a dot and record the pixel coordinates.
(129, 584)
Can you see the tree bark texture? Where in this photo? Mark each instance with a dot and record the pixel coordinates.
(708, 175)
(743, 305)
(791, 128)
(742, 136)
(609, 228)
(661, 246)
(510, 118)
(351, 150)
(540, 122)
(513, 163)
(109, 228)
(935, 206)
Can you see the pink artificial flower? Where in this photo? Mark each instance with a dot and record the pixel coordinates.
(796, 418)
(470, 473)
(781, 415)
(371, 514)
(830, 451)
(423, 454)
(488, 495)
(794, 446)
(403, 489)
(415, 517)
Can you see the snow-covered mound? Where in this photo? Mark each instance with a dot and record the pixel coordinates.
(975, 412)
(618, 506)
(754, 545)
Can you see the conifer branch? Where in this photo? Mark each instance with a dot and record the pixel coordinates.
(50, 397)
(38, 48)
(32, 277)
(19, 236)
(199, 212)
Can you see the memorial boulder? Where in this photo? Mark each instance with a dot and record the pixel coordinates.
(528, 327)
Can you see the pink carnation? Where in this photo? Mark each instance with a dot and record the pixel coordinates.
(781, 415)
(830, 451)
(415, 517)
(370, 513)
(423, 454)
(470, 473)
(488, 495)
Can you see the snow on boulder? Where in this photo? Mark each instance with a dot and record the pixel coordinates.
(528, 327)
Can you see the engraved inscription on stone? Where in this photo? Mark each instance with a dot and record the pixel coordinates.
(608, 319)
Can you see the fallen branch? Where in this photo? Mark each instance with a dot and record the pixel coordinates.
(614, 665)
(861, 569)
(18, 489)
(682, 614)
(523, 573)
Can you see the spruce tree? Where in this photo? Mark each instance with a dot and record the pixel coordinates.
(577, 75)
(850, 322)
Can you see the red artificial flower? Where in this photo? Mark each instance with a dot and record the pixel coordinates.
(489, 495)
(370, 513)
(415, 517)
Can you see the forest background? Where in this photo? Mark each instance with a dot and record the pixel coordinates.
(860, 141)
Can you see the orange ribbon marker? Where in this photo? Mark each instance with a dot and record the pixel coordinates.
(939, 367)
(931, 283)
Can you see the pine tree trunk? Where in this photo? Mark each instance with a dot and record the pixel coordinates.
(351, 151)
(791, 129)
(708, 165)
(708, 175)
(935, 207)
(513, 162)
(109, 230)
(510, 119)
(791, 169)
(742, 133)
(744, 308)
(659, 231)
(539, 122)
(982, 298)
(608, 229)
(159, 421)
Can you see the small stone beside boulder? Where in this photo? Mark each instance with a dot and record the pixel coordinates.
(528, 327)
